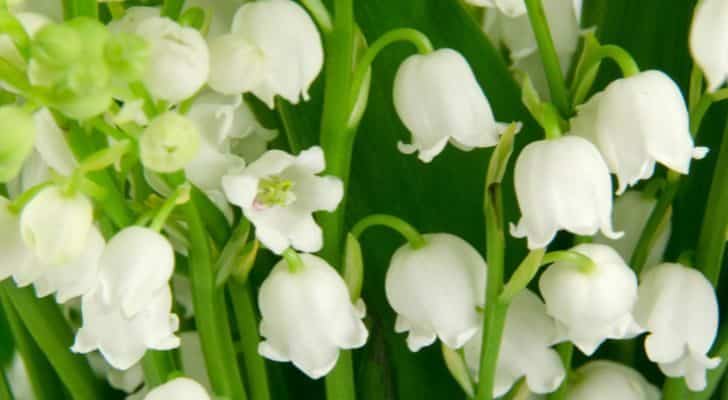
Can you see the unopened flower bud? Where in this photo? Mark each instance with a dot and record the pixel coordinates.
(56, 45)
(16, 141)
(127, 55)
(180, 389)
(169, 143)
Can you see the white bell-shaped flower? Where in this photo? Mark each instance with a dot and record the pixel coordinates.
(15, 256)
(678, 307)
(583, 301)
(438, 99)
(274, 50)
(121, 340)
(607, 380)
(179, 389)
(229, 134)
(136, 264)
(562, 184)
(307, 316)
(525, 348)
(179, 61)
(631, 212)
(76, 277)
(511, 8)
(436, 290)
(709, 41)
(636, 122)
(55, 225)
(278, 194)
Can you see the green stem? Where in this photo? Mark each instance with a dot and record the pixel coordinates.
(586, 71)
(566, 350)
(320, 14)
(50, 331)
(656, 220)
(696, 86)
(43, 380)
(210, 312)
(495, 310)
(168, 206)
(241, 297)
(674, 389)
(712, 239)
(550, 58)
(215, 222)
(414, 237)
(86, 8)
(417, 38)
(157, 366)
(584, 263)
(295, 264)
(172, 8)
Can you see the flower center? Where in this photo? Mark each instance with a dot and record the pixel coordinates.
(274, 191)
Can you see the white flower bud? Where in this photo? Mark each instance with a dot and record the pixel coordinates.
(584, 303)
(307, 316)
(178, 389)
(562, 184)
(436, 290)
(678, 307)
(121, 340)
(631, 212)
(607, 380)
(55, 225)
(178, 63)
(525, 348)
(438, 99)
(636, 122)
(274, 41)
(278, 193)
(709, 41)
(76, 277)
(169, 143)
(136, 264)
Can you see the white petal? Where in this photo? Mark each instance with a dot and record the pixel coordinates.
(709, 41)
(236, 66)
(51, 143)
(178, 389)
(606, 380)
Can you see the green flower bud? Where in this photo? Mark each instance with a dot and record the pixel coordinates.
(169, 143)
(56, 45)
(95, 36)
(127, 55)
(16, 140)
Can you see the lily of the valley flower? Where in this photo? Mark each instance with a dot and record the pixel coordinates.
(169, 142)
(307, 316)
(525, 348)
(562, 184)
(511, 8)
(179, 389)
(278, 194)
(678, 307)
(631, 212)
(709, 41)
(607, 380)
(179, 61)
(55, 225)
(583, 301)
(436, 291)
(274, 49)
(136, 265)
(438, 99)
(636, 122)
(121, 340)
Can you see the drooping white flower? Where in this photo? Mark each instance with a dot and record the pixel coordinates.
(631, 212)
(709, 41)
(584, 303)
(636, 122)
(76, 277)
(307, 316)
(516, 34)
(678, 307)
(136, 265)
(55, 225)
(438, 99)
(525, 348)
(179, 61)
(436, 290)
(178, 389)
(562, 184)
(274, 49)
(230, 136)
(278, 194)
(121, 340)
(607, 380)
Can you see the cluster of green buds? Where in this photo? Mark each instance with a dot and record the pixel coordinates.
(76, 65)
